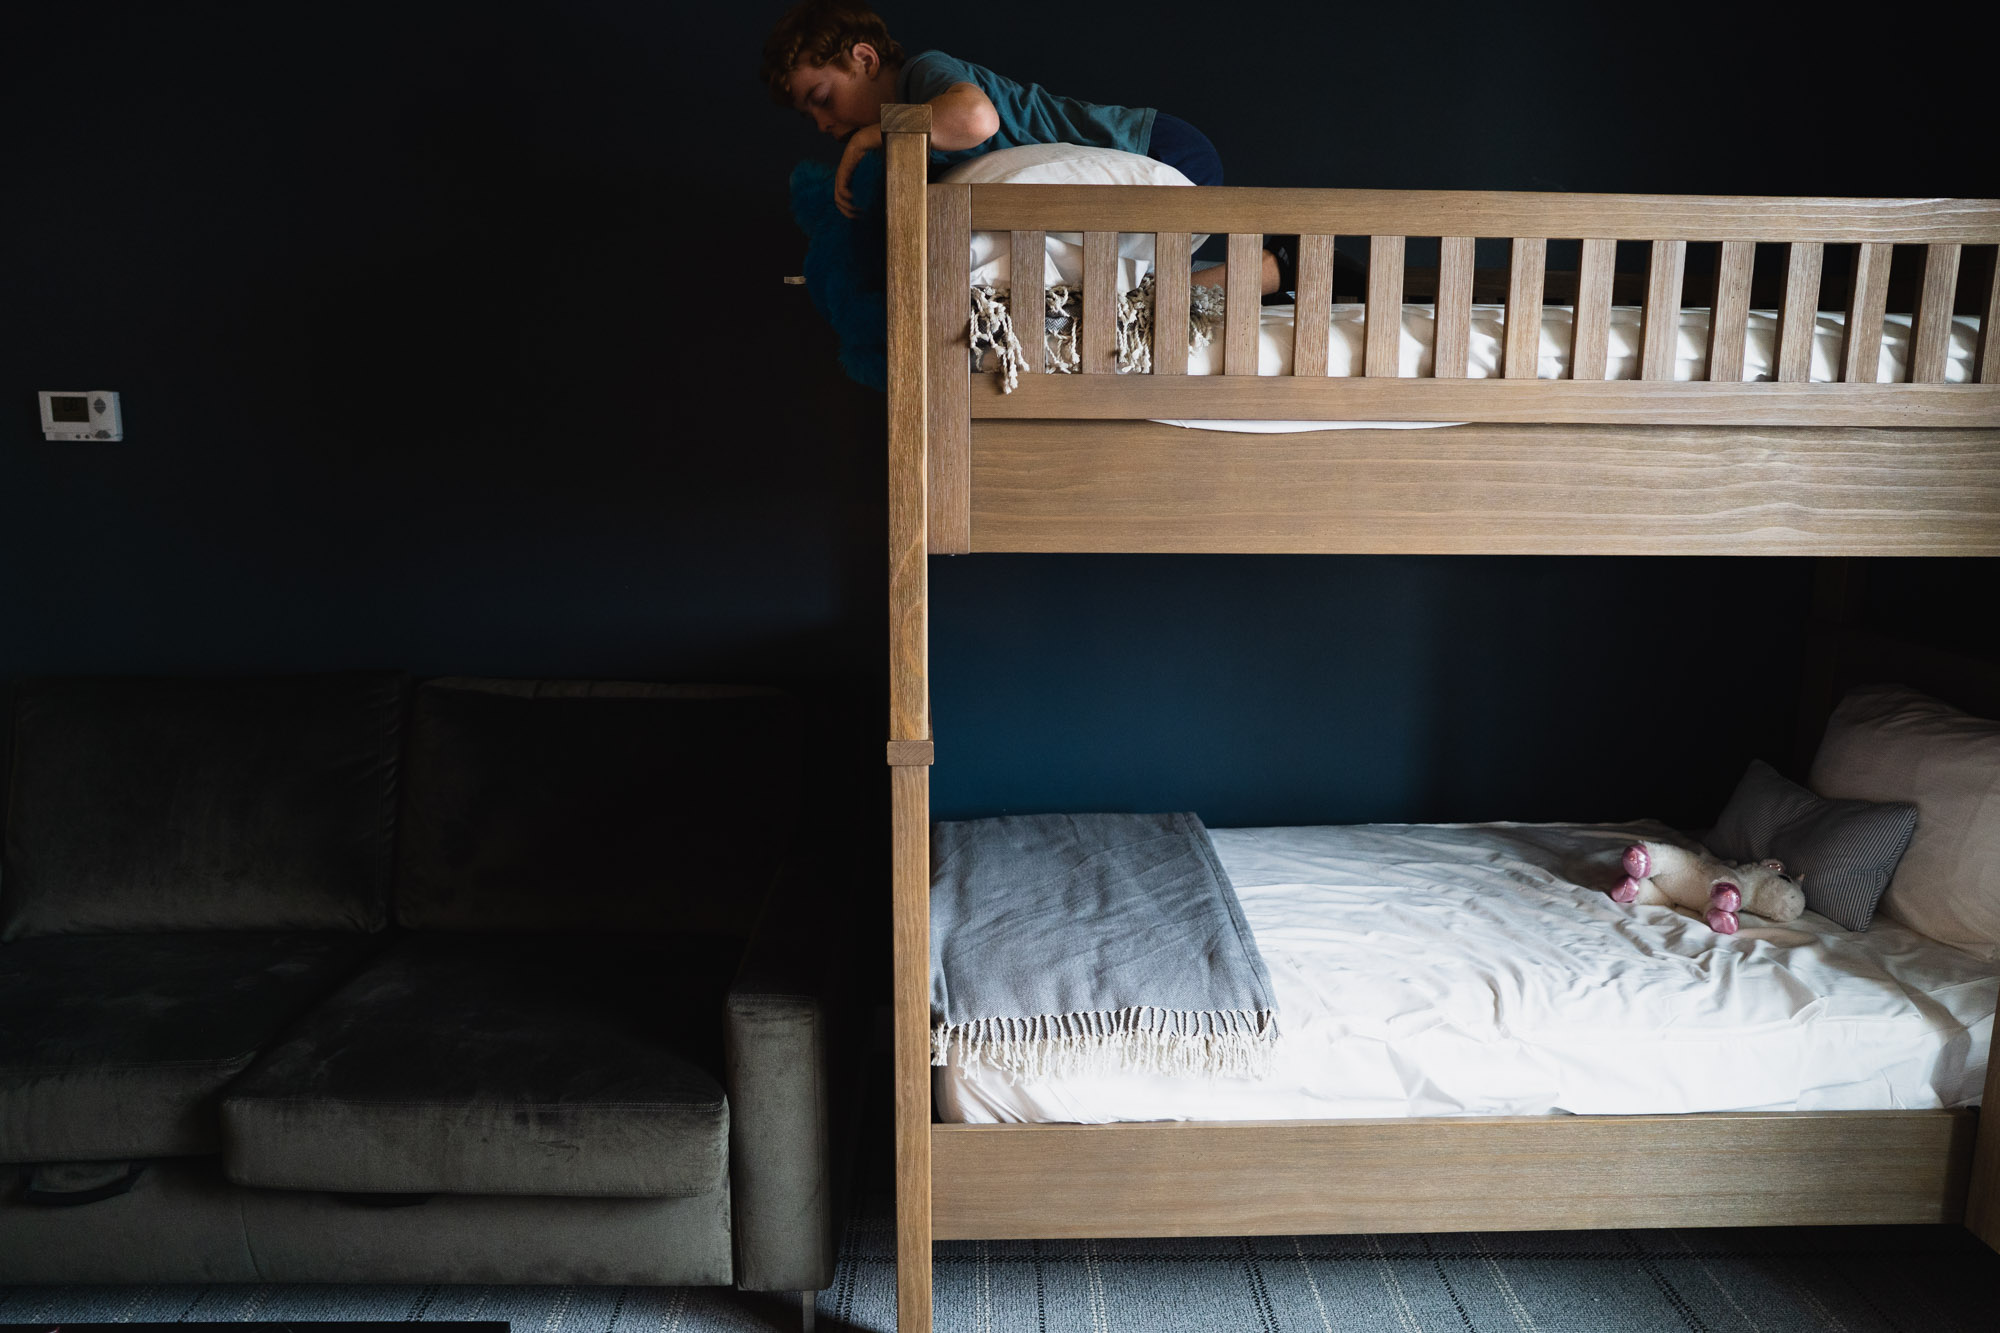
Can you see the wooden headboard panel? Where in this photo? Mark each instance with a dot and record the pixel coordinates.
(1841, 654)
(1970, 683)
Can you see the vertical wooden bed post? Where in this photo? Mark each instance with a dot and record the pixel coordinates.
(1982, 1194)
(906, 147)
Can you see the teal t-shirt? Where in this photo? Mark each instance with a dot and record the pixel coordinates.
(1028, 114)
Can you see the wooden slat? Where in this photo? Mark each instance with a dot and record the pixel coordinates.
(1527, 263)
(1486, 490)
(1028, 295)
(907, 753)
(1989, 345)
(1660, 318)
(1633, 217)
(1799, 312)
(1729, 320)
(1171, 258)
(1590, 349)
(907, 159)
(1311, 324)
(1867, 298)
(1930, 330)
(1098, 342)
(947, 362)
(1472, 1173)
(1382, 334)
(1242, 304)
(1454, 307)
(1550, 402)
(910, 909)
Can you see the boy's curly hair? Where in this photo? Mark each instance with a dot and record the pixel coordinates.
(820, 32)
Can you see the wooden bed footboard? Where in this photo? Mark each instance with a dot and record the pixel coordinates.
(1580, 465)
(1504, 1173)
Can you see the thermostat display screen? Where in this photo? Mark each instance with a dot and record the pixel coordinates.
(89, 415)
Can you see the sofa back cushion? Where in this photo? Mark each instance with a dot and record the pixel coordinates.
(536, 805)
(255, 804)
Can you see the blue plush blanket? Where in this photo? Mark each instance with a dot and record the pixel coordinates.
(845, 263)
(1085, 943)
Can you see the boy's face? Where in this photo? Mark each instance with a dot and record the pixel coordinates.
(845, 95)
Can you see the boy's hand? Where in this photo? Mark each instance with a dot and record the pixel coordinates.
(864, 140)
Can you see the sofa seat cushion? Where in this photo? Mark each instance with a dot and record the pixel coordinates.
(497, 1064)
(118, 1046)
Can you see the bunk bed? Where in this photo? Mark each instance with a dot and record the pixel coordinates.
(1581, 465)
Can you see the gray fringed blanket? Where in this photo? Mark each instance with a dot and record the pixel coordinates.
(1081, 943)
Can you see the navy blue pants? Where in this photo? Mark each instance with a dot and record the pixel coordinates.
(1188, 151)
(1185, 149)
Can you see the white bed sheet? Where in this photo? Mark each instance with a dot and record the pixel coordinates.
(1429, 970)
(1489, 325)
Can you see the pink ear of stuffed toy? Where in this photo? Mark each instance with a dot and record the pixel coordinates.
(1663, 874)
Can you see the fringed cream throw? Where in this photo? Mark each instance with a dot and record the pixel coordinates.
(996, 340)
(1086, 943)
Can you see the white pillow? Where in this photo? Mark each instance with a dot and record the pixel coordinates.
(1890, 743)
(1062, 164)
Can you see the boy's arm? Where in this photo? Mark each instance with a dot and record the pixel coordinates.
(961, 117)
(864, 140)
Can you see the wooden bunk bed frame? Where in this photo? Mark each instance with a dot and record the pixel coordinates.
(1582, 465)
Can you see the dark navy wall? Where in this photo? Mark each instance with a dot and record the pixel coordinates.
(433, 353)
(435, 356)
(1261, 690)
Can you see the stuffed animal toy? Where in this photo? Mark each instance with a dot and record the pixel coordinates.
(1662, 874)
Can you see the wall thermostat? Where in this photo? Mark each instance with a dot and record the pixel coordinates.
(90, 415)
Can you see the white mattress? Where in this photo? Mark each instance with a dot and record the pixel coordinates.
(1489, 325)
(1427, 970)
(1345, 341)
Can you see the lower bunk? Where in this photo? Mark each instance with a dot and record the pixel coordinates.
(1473, 1036)
(1477, 970)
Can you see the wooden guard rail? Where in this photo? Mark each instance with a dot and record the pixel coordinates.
(1874, 227)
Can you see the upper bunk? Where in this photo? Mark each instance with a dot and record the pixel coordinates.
(1798, 464)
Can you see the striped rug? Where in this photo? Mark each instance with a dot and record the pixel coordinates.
(1923, 1280)
(1914, 1280)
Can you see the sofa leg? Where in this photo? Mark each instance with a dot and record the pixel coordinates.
(808, 1307)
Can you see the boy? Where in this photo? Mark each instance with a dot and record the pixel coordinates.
(835, 61)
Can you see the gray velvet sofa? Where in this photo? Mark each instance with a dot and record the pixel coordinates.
(326, 979)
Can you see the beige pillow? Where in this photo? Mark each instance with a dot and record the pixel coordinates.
(1890, 743)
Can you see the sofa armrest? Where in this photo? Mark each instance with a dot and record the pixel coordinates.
(776, 1040)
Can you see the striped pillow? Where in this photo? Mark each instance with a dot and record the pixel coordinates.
(1843, 852)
